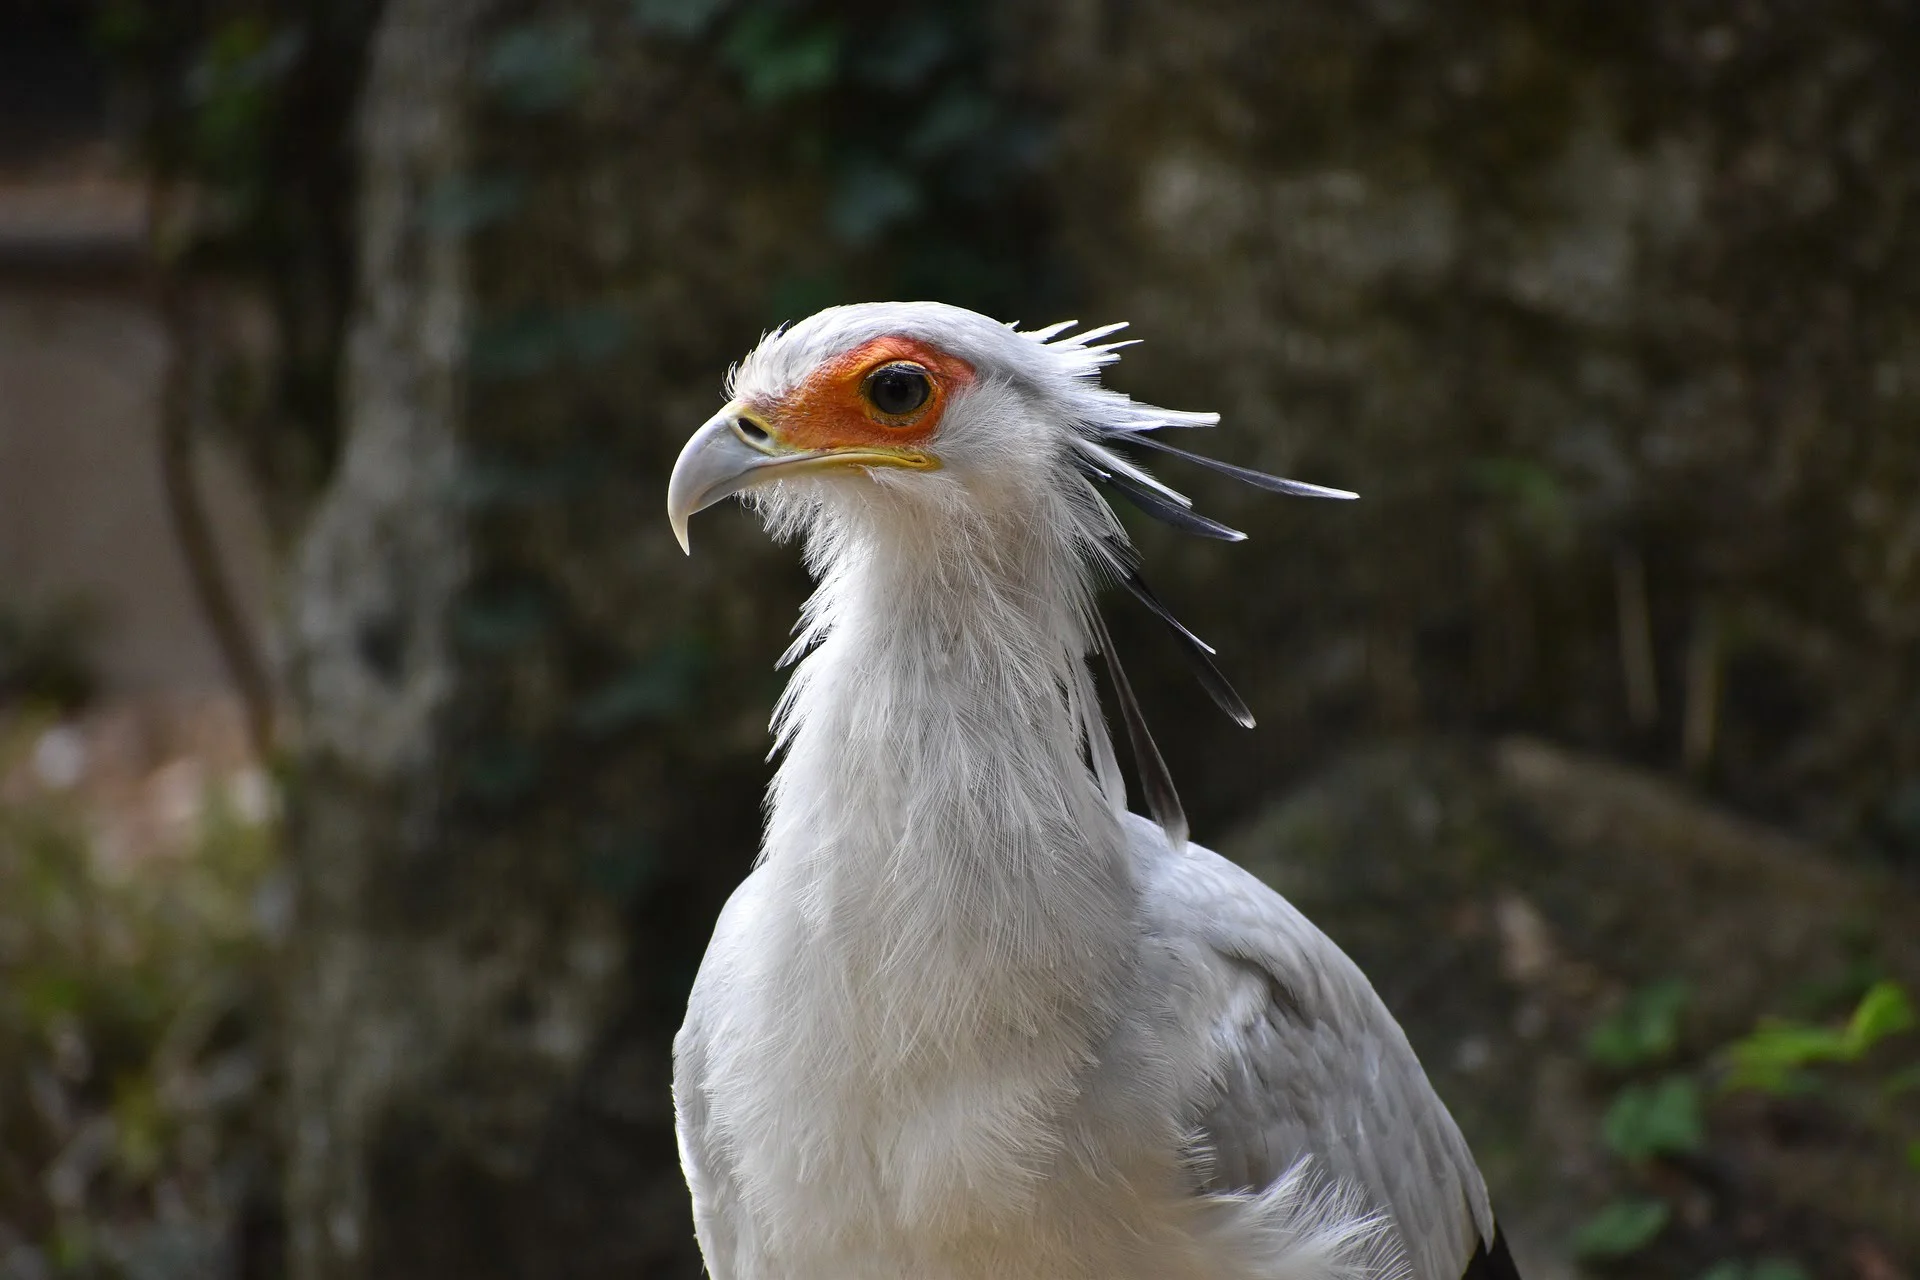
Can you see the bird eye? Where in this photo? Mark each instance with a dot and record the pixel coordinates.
(897, 390)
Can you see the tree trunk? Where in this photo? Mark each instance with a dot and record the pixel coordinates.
(531, 734)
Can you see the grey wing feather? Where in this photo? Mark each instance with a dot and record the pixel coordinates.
(1309, 1061)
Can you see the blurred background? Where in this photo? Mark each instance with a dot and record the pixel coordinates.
(372, 765)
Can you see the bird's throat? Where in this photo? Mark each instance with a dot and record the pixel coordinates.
(941, 837)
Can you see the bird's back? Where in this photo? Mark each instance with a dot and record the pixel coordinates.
(1308, 1062)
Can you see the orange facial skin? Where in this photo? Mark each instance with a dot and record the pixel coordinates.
(828, 411)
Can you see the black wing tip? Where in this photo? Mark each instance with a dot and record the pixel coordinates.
(1492, 1262)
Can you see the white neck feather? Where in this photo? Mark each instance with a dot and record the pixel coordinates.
(933, 814)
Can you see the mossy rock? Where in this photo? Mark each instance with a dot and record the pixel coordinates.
(1506, 899)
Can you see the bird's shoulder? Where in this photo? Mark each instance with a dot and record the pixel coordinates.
(1309, 1062)
(1212, 911)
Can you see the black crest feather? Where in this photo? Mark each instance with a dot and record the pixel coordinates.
(1246, 475)
(1156, 780)
(1105, 465)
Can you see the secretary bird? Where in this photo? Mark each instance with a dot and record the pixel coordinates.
(969, 1018)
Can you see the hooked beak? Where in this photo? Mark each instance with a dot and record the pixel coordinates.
(736, 449)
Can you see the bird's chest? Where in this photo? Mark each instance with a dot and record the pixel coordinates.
(894, 1128)
(853, 1110)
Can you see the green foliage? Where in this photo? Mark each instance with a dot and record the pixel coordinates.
(1654, 1120)
(233, 89)
(134, 1110)
(1644, 1030)
(779, 56)
(1664, 1117)
(240, 114)
(926, 204)
(1622, 1228)
(1774, 1057)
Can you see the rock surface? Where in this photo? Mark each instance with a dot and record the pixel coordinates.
(1505, 898)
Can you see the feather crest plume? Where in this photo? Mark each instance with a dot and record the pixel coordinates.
(1108, 423)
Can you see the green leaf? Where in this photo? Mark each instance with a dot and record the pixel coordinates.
(1778, 1269)
(1884, 1011)
(1769, 1058)
(1646, 1028)
(1651, 1120)
(1772, 1056)
(1913, 1154)
(1621, 1228)
(1725, 1271)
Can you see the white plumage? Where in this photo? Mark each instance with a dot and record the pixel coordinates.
(968, 1019)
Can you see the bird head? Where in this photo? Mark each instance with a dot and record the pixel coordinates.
(915, 408)
(904, 418)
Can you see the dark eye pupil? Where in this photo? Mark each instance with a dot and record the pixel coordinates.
(897, 390)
